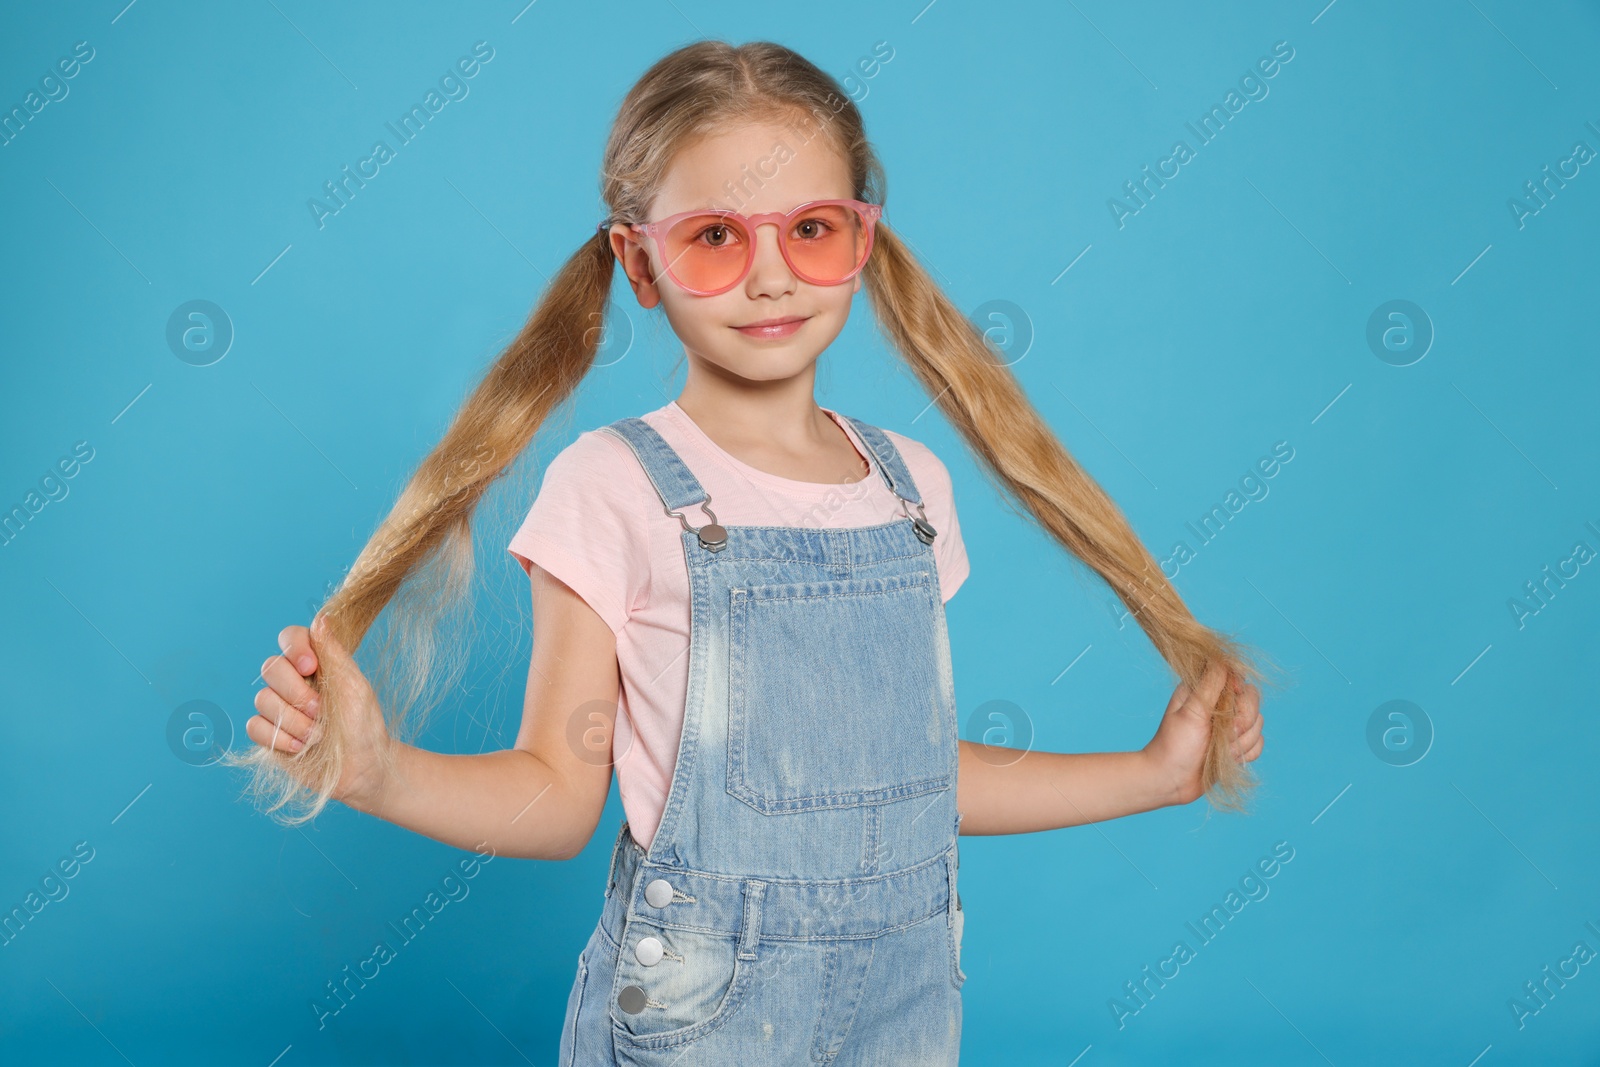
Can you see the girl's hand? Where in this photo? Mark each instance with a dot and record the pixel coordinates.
(1178, 750)
(288, 712)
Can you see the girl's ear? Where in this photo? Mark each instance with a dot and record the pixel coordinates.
(857, 288)
(635, 260)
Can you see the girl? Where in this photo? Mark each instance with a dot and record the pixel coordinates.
(756, 584)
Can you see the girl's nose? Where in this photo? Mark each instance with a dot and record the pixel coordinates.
(769, 271)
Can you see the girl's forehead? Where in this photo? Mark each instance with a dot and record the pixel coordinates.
(753, 167)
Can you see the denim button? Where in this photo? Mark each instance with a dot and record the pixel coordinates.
(648, 951)
(631, 999)
(658, 894)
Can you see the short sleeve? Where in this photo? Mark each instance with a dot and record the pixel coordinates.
(938, 496)
(583, 526)
(953, 564)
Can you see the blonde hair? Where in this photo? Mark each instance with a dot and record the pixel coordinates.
(694, 91)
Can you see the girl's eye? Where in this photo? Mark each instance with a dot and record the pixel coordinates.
(812, 229)
(717, 236)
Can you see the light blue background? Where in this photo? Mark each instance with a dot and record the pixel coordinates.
(1228, 315)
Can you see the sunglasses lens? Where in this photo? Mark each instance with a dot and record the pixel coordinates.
(707, 252)
(827, 242)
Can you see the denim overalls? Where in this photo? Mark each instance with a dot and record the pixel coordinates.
(798, 902)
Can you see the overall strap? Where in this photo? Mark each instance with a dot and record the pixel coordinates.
(894, 470)
(675, 483)
(897, 474)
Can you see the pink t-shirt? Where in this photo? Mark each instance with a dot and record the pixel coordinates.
(598, 525)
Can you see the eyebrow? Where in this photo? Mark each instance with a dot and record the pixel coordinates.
(722, 207)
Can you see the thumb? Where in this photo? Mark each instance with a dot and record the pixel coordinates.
(330, 648)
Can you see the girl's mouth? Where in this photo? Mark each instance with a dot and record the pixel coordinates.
(773, 328)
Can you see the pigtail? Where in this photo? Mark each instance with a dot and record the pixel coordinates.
(427, 535)
(983, 400)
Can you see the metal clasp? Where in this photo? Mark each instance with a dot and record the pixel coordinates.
(713, 536)
(919, 522)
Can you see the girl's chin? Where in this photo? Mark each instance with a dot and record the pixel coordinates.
(773, 366)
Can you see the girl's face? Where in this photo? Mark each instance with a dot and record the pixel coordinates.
(729, 170)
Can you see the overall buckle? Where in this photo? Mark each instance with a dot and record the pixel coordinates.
(713, 536)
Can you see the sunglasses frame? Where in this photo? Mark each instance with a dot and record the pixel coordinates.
(658, 230)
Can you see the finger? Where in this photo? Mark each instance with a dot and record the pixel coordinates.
(295, 641)
(331, 648)
(275, 710)
(1249, 696)
(1248, 736)
(281, 676)
(1248, 714)
(267, 734)
(282, 715)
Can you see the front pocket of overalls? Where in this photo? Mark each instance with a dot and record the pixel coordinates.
(835, 697)
(696, 986)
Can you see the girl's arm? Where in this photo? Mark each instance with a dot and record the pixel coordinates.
(541, 798)
(1009, 791)
(1050, 790)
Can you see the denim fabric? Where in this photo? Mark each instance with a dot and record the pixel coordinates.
(804, 873)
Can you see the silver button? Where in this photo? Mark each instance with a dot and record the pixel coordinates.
(631, 999)
(648, 951)
(658, 894)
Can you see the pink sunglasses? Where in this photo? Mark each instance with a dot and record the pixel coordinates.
(709, 251)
